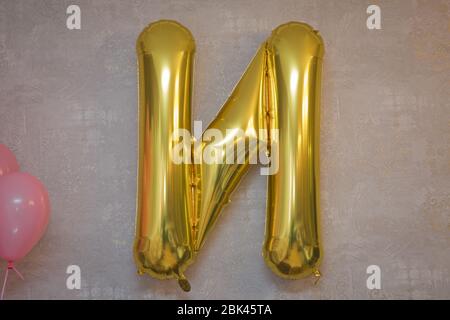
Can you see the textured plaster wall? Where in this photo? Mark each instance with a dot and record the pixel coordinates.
(68, 111)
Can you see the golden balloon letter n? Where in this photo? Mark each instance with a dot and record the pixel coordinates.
(274, 109)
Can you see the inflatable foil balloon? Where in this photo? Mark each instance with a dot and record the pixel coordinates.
(24, 213)
(184, 180)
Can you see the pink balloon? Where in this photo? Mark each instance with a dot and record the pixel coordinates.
(24, 214)
(8, 162)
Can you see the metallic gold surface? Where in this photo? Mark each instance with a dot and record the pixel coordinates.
(292, 244)
(178, 204)
(245, 109)
(163, 244)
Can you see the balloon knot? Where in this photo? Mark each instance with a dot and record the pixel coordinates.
(317, 275)
(184, 285)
